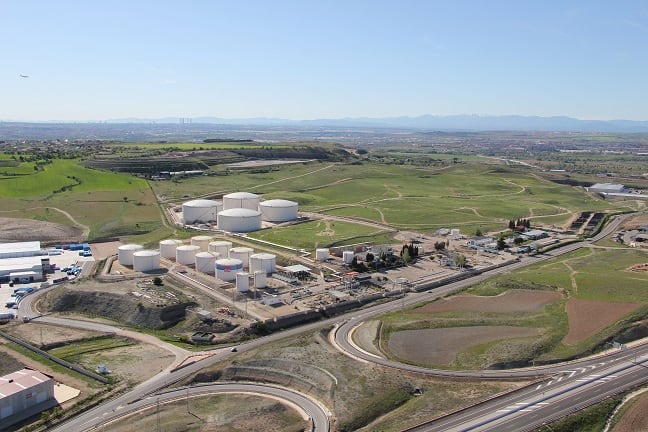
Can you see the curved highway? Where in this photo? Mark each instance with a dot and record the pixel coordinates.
(309, 408)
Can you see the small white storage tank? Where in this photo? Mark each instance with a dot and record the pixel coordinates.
(168, 247)
(242, 281)
(146, 260)
(347, 257)
(244, 200)
(220, 247)
(278, 210)
(239, 220)
(186, 254)
(206, 262)
(200, 211)
(259, 279)
(321, 254)
(125, 253)
(241, 253)
(202, 241)
(265, 262)
(226, 268)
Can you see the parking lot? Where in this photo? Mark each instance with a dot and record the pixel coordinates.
(67, 259)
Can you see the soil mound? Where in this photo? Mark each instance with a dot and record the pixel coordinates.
(121, 308)
(14, 229)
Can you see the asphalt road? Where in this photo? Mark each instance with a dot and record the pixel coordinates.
(85, 420)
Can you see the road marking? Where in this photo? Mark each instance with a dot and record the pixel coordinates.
(542, 403)
(503, 410)
(559, 379)
(523, 403)
(540, 386)
(571, 374)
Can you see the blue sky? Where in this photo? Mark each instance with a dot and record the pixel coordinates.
(98, 60)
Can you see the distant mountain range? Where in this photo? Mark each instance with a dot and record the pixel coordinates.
(427, 122)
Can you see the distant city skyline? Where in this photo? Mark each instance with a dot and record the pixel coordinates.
(303, 60)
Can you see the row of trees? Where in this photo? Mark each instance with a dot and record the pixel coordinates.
(513, 225)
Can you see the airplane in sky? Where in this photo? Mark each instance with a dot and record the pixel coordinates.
(23, 76)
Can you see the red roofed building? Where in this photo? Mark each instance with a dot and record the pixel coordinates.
(24, 393)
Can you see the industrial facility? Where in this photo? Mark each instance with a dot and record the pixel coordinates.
(22, 262)
(24, 393)
(238, 212)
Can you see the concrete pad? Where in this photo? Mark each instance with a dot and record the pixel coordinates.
(63, 393)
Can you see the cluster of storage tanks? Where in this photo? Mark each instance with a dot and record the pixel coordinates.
(239, 211)
(219, 258)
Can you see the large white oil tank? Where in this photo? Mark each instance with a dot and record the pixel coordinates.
(241, 253)
(125, 253)
(186, 254)
(206, 262)
(226, 268)
(220, 247)
(263, 261)
(321, 254)
(244, 200)
(239, 220)
(168, 247)
(242, 281)
(259, 279)
(347, 256)
(455, 233)
(200, 211)
(146, 260)
(202, 241)
(278, 210)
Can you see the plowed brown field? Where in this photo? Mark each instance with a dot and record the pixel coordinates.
(586, 317)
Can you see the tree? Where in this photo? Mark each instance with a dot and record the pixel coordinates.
(157, 281)
(511, 225)
(501, 243)
(125, 199)
(405, 256)
(369, 257)
(478, 233)
(460, 260)
(518, 240)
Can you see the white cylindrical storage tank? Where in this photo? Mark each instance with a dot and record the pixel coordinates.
(206, 262)
(242, 281)
(186, 254)
(278, 210)
(125, 253)
(244, 200)
(347, 256)
(226, 268)
(241, 253)
(168, 247)
(202, 241)
(265, 262)
(259, 279)
(220, 247)
(200, 211)
(321, 254)
(146, 260)
(239, 220)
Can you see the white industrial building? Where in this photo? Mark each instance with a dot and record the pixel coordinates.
(606, 188)
(24, 393)
(239, 220)
(278, 210)
(20, 249)
(200, 211)
(244, 200)
(23, 269)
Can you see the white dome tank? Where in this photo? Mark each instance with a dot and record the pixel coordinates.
(202, 241)
(168, 248)
(241, 253)
(186, 254)
(200, 211)
(239, 220)
(265, 262)
(278, 210)
(146, 260)
(321, 254)
(205, 262)
(244, 200)
(221, 247)
(226, 268)
(242, 281)
(259, 279)
(125, 253)
(347, 256)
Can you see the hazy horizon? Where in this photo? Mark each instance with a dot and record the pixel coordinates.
(86, 61)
